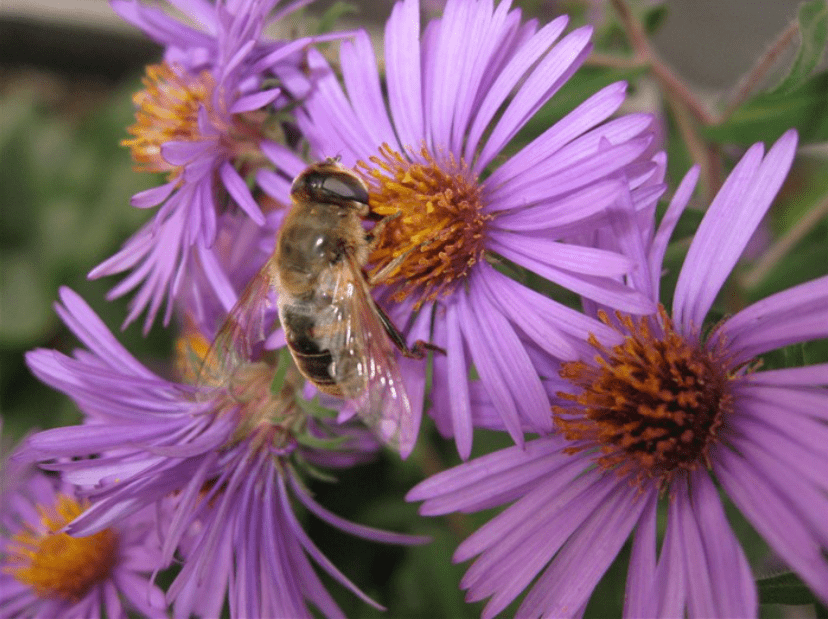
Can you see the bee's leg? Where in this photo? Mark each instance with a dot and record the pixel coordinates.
(418, 351)
(373, 237)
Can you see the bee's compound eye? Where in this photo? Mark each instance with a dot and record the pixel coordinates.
(343, 187)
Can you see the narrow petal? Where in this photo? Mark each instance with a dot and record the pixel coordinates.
(798, 314)
(775, 517)
(638, 594)
(370, 533)
(255, 101)
(810, 375)
(547, 77)
(489, 474)
(239, 191)
(572, 576)
(403, 75)
(517, 67)
(361, 76)
(719, 578)
(600, 289)
(668, 224)
(154, 195)
(457, 373)
(728, 226)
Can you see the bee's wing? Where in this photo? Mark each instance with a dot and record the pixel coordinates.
(242, 329)
(382, 403)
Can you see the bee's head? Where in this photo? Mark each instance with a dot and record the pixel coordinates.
(329, 182)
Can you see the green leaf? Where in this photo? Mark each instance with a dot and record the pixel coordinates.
(284, 362)
(784, 589)
(813, 33)
(768, 115)
(315, 409)
(328, 21)
(654, 17)
(314, 442)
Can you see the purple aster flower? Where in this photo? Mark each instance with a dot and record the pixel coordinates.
(437, 161)
(47, 573)
(200, 120)
(223, 457)
(667, 414)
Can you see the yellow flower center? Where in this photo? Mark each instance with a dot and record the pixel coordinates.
(436, 230)
(56, 564)
(652, 405)
(167, 111)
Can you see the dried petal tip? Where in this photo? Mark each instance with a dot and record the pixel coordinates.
(652, 405)
(56, 565)
(436, 228)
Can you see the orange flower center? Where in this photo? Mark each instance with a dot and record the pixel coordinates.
(56, 564)
(167, 110)
(437, 228)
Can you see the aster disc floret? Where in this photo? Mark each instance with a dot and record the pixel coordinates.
(666, 416)
(221, 453)
(457, 95)
(206, 118)
(47, 573)
(652, 404)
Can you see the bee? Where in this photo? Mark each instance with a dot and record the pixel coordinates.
(339, 338)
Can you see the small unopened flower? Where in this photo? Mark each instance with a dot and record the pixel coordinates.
(458, 201)
(44, 572)
(224, 453)
(204, 116)
(666, 414)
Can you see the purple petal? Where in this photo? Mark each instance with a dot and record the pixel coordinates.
(361, 76)
(600, 289)
(153, 196)
(799, 314)
(719, 578)
(179, 153)
(524, 58)
(315, 553)
(668, 224)
(524, 307)
(556, 217)
(255, 101)
(775, 515)
(403, 75)
(239, 191)
(567, 172)
(810, 375)
(458, 377)
(578, 122)
(572, 576)
(548, 76)
(491, 474)
(728, 226)
(370, 533)
(641, 573)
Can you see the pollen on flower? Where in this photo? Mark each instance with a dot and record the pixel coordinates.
(55, 564)
(652, 405)
(167, 110)
(436, 228)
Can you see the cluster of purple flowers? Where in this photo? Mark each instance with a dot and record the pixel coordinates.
(638, 411)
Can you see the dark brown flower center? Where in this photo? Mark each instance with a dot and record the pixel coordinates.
(437, 227)
(652, 405)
